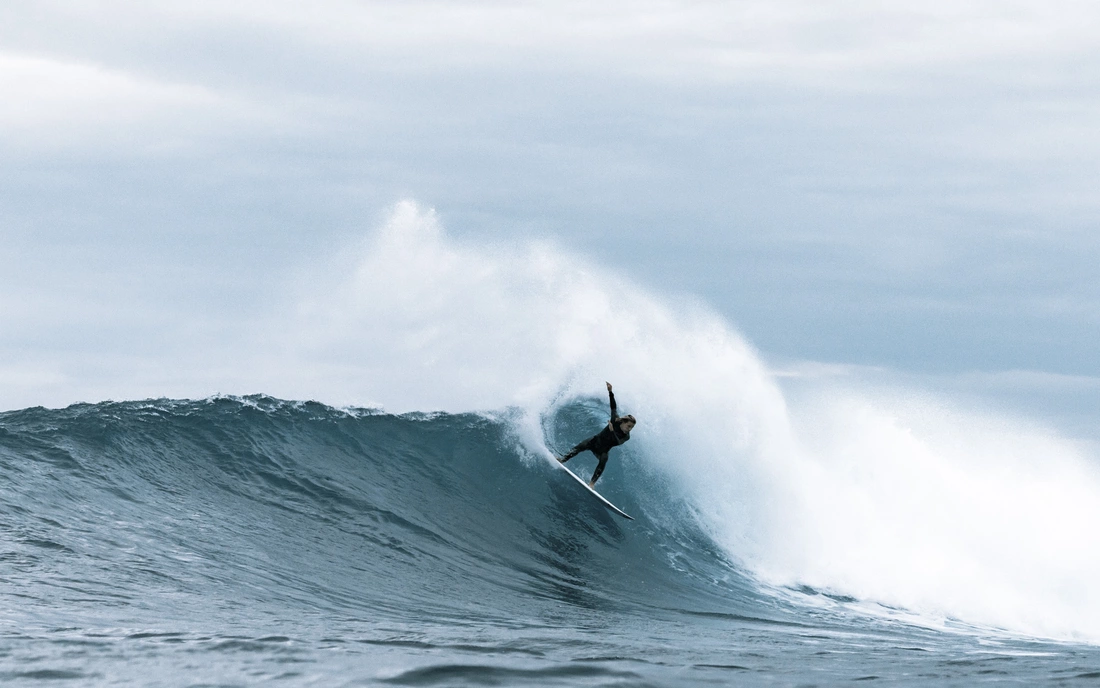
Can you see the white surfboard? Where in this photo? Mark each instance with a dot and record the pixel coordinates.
(595, 494)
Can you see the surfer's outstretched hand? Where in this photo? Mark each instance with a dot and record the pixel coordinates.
(608, 386)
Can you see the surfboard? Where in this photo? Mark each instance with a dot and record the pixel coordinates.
(595, 494)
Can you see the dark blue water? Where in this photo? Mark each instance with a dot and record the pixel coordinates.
(256, 541)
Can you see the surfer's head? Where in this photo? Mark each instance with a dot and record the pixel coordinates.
(627, 423)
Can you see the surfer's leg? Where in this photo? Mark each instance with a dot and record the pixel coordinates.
(583, 446)
(599, 469)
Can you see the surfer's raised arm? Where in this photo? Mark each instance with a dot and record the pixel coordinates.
(611, 395)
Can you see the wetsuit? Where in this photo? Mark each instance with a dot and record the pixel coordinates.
(600, 444)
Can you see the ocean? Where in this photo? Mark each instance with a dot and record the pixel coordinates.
(236, 541)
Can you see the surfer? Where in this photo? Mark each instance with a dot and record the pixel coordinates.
(614, 433)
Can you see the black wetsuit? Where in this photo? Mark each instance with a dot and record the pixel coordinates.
(600, 444)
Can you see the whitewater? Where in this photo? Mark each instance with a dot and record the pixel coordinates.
(388, 512)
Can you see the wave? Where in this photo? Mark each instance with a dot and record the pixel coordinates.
(185, 509)
(745, 492)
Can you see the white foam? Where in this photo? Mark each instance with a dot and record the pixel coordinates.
(898, 501)
(908, 502)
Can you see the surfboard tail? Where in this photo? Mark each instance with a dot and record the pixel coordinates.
(603, 500)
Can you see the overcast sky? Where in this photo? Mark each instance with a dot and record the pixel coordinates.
(913, 188)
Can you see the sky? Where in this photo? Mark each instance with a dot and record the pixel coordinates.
(851, 185)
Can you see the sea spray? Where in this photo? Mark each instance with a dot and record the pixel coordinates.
(943, 517)
(908, 501)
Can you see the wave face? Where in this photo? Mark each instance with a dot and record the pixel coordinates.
(245, 539)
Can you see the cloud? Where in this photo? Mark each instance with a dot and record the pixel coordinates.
(851, 181)
(51, 102)
(704, 41)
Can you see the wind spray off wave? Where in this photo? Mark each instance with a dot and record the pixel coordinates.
(935, 512)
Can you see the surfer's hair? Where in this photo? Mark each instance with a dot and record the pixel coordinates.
(626, 418)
